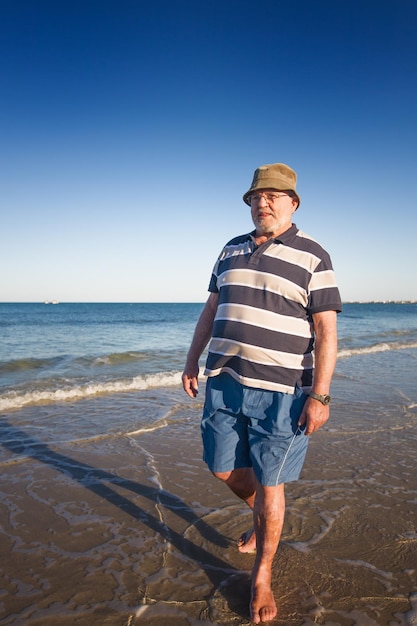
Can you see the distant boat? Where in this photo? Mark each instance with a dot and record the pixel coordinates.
(51, 302)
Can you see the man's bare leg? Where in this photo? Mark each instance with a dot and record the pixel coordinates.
(268, 515)
(243, 483)
(268, 504)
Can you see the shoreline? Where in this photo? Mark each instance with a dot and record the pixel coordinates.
(134, 529)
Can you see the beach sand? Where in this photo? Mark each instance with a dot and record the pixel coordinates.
(132, 528)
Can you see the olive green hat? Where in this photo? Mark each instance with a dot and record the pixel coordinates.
(274, 176)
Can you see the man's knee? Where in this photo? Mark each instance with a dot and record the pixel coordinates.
(271, 500)
(241, 481)
(241, 474)
(223, 476)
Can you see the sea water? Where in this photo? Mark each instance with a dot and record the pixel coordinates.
(74, 351)
(67, 351)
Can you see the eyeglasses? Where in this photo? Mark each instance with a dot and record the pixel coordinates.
(269, 197)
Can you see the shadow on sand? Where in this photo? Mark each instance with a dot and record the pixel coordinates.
(100, 482)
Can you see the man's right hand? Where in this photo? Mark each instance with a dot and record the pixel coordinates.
(190, 382)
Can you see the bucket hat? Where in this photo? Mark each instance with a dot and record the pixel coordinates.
(273, 176)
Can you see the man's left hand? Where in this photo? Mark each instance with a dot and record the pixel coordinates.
(314, 415)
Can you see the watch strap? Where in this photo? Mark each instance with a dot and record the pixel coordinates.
(323, 398)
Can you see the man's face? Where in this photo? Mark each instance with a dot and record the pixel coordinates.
(271, 211)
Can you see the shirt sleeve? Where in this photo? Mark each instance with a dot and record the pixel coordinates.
(323, 290)
(213, 284)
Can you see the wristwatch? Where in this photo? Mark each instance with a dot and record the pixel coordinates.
(323, 399)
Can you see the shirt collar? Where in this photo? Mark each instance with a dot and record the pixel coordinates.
(284, 238)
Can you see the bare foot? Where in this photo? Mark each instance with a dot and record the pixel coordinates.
(247, 542)
(262, 606)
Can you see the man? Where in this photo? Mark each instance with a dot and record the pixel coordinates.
(273, 299)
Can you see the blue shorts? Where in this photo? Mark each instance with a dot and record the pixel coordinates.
(245, 427)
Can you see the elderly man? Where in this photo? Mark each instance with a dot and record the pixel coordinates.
(272, 305)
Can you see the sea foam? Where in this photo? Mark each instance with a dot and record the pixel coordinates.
(13, 400)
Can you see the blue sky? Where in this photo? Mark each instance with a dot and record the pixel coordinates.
(130, 130)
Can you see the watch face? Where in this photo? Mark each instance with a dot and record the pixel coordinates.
(326, 399)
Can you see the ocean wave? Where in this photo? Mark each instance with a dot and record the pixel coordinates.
(14, 400)
(89, 361)
(26, 364)
(378, 347)
(115, 358)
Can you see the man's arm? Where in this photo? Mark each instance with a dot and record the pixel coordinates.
(201, 338)
(315, 414)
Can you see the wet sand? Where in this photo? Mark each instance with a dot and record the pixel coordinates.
(134, 530)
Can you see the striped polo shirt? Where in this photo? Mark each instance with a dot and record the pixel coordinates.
(263, 331)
